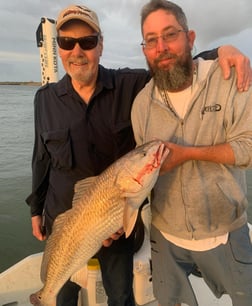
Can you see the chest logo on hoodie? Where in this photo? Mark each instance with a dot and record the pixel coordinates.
(212, 108)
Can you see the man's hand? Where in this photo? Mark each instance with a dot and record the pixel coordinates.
(37, 228)
(177, 156)
(115, 236)
(220, 153)
(230, 56)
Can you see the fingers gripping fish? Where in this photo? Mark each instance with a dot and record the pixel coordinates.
(101, 206)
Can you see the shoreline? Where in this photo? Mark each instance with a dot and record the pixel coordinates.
(31, 83)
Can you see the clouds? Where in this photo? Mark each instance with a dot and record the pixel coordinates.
(216, 22)
(215, 19)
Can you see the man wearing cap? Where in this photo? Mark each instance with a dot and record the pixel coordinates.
(82, 125)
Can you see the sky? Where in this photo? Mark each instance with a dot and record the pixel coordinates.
(216, 22)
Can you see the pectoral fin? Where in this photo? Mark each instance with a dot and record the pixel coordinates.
(129, 219)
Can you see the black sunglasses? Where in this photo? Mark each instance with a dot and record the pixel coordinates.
(86, 42)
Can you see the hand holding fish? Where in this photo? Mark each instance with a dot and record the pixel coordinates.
(115, 236)
(221, 153)
(177, 156)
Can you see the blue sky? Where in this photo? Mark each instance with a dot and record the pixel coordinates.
(216, 22)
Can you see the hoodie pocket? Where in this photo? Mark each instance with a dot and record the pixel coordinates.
(234, 195)
(58, 144)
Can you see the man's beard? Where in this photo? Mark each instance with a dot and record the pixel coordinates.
(79, 74)
(176, 77)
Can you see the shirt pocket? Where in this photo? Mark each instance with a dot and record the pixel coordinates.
(58, 144)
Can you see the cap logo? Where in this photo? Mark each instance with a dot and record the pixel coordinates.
(75, 12)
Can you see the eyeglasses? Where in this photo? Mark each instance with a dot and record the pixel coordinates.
(86, 42)
(168, 36)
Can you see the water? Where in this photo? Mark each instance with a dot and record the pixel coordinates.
(16, 134)
(16, 142)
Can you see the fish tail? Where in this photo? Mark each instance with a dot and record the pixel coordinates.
(35, 299)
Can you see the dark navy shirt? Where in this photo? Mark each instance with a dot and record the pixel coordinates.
(75, 140)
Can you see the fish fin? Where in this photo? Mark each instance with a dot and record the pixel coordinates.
(43, 269)
(80, 188)
(136, 200)
(80, 277)
(129, 219)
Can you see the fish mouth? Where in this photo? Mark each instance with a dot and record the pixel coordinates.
(159, 157)
(162, 153)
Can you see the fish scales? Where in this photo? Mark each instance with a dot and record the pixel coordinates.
(101, 206)
(88, 210)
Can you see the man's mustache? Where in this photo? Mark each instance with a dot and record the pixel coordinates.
(165, 56)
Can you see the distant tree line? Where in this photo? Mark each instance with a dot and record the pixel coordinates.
(21, 83)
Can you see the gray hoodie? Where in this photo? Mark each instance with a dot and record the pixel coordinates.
(200, 199)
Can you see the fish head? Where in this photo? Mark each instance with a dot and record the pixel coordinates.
(137, 174)
(139, 169)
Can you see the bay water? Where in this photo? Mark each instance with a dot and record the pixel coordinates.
(16, 143)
